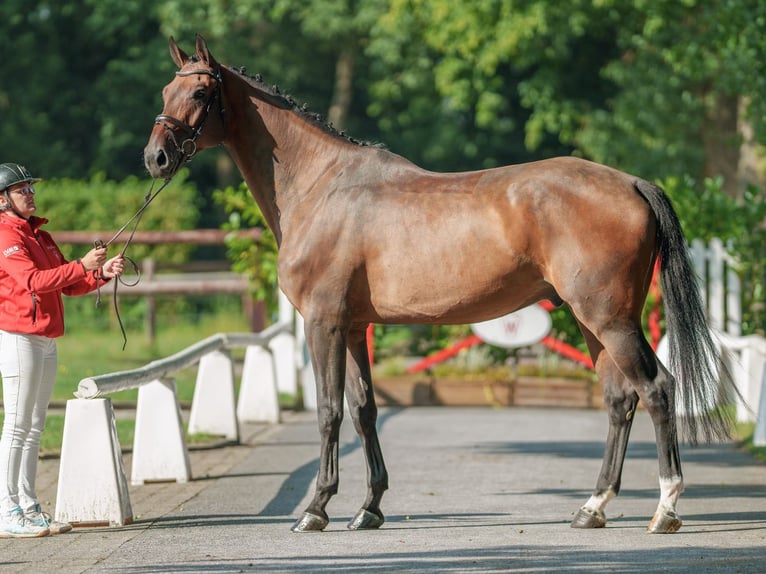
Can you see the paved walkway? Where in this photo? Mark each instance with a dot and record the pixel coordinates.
(472, 490)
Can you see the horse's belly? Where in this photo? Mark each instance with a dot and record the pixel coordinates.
(443, 295)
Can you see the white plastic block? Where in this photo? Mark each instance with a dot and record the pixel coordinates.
(258, 396)
(309, 387)
(283, 348)
(159, 444)
(213, 409)
(92, 489)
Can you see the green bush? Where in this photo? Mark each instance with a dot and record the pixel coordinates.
(706, 211)
(99, 204)
(257, 260)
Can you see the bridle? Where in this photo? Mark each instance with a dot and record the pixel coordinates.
(188, 147)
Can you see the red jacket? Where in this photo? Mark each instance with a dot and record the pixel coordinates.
(33, 275)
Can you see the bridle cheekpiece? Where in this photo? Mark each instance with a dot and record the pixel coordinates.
(188, 147)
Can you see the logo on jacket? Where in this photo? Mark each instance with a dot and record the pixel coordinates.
(11, 250)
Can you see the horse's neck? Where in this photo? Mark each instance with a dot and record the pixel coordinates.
(281, 156)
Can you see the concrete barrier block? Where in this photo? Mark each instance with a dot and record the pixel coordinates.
(213, 409)
(308, 383)
(159, 444)
(258, 396)
(92, 489)
(283, 348)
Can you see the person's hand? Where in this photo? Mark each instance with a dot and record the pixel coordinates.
(94, 259)
(113, 268)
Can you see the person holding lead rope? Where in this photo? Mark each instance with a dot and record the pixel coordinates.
(33, 276)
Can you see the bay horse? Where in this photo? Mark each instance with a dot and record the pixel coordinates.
(365, 236)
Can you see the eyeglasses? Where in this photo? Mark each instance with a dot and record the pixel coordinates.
(26, 190)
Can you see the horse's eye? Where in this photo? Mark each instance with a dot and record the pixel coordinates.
(200, 94)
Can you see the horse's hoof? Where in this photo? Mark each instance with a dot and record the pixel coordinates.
(587, 518)
(310, 523)
(665, 522)
(366, 520)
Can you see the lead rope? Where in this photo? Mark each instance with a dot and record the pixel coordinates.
(148, 198)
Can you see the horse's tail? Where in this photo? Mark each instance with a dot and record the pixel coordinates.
(702, 379)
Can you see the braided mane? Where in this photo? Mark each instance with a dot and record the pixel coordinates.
(285, 101)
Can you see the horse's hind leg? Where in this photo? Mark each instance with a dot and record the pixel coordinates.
(327, 343)
(632, 354)
(621, 401)
(659, 399)
(364, 412)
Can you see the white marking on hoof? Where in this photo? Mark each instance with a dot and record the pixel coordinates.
(597, 502)
(670, 490)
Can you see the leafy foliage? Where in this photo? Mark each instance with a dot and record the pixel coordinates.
(257, 260)
(99, 204)
(707, 212)
(629, 83)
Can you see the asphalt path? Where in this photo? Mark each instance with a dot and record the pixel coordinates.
(471, 490)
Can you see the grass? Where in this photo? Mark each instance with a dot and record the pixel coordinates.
(83, 353)
(50, 441)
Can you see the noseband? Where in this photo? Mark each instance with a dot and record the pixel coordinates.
(188, 147)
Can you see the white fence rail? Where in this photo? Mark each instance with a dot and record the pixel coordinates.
(92, 485)
(719, 285)
(745, 356)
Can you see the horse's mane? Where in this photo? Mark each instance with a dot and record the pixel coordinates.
(287, 102)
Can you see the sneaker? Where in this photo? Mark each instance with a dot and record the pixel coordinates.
(15, 525)
(43, 519)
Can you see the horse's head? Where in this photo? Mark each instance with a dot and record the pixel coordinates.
(192, 116)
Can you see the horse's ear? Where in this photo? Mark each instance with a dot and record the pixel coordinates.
(203, 53)
(178, 55)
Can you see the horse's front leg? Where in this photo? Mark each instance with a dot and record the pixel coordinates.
(327, 345)
(364, 412)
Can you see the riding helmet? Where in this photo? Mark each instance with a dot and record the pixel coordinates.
(13, 173)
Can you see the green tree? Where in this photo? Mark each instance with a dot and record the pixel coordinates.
(655, 88)
(74, 98)
(257, 260)
(99, 204)
(707, 212)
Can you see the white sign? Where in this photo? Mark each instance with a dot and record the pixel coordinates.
(518, 329)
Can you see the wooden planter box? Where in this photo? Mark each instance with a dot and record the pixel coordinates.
(424, 390)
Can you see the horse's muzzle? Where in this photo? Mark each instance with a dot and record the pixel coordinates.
(160, 161)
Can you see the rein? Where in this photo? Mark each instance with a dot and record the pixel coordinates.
(148, 198)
